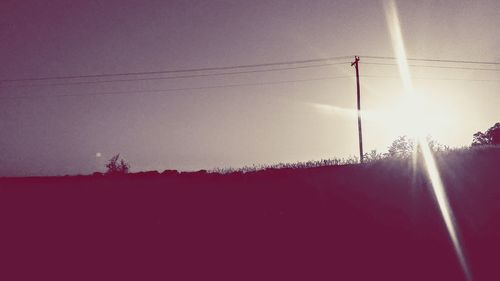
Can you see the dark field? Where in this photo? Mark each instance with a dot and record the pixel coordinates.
(355, 222)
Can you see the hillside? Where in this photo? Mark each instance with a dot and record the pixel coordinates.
(376, 221)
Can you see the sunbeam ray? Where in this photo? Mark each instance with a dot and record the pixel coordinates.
(430, 163)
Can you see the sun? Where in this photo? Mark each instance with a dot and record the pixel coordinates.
(419, 115)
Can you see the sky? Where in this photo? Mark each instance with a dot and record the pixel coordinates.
(262, 123)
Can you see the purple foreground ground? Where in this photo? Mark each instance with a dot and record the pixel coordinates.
(377, 221)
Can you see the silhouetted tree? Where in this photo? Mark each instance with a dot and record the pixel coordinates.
(117, 168)
(490, 137)
(402, 147)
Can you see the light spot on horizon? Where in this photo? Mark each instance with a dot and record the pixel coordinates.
(98, 155)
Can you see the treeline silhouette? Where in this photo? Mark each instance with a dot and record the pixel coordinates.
(402, 147)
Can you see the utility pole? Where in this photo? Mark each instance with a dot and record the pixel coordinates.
(360, 131)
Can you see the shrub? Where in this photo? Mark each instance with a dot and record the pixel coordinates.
(117, 168)
(373, 156)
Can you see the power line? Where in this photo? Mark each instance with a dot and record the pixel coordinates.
(242, 66)
(174, 71)
(173, 77)
(242, 72)
(434, 66)
(436, 60)
(165, 91)
(429, 78)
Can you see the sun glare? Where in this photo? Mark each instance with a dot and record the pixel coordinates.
(415, 117)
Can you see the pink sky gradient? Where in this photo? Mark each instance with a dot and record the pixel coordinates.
(203, 129)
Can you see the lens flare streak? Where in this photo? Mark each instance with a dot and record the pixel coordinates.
(442, 200)
(430, 163)
(398, 44)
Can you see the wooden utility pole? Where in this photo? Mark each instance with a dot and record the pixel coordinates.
(360, 131)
